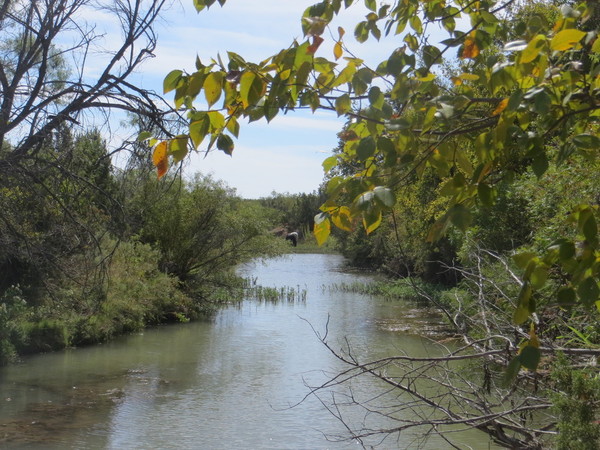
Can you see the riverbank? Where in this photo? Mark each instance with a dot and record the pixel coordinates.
(135, 295)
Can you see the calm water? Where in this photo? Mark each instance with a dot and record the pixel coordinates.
(228, 383)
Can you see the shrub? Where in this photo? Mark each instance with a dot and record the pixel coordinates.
(12, 308)
(44, 336)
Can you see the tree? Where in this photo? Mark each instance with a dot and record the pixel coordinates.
(522, 96)
(52, 166)
(45, 80)
(207, 232)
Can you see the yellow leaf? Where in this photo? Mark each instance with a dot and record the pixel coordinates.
(178, 148)
(470, 48)
(566, 39)
(213, 84)
(342, 218)
(533, 49)
(285, 74)
(321, 231)
(501, 107)
(160, 159)
(337, 50)
(468, 76)
(533, 339)
(341, 32)
(372, 220)
(457, 81)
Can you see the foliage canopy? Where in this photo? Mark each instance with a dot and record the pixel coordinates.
(523, 92)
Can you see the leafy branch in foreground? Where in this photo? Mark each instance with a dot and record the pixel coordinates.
(525, 92)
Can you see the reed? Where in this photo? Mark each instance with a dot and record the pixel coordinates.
(288, 294)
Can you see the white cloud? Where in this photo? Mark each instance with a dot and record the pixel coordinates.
(257, 171)
(286, 154)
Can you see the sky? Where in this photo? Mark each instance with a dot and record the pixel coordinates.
(285, 155)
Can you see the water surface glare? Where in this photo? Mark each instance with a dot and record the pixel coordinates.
(227, 383)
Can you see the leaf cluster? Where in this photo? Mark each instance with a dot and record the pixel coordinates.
(525, 95)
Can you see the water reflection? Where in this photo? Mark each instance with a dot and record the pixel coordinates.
(227, 383)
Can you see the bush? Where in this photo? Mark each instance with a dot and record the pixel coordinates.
(12, 308)
(576, 401)
(137, 295)
(44, 336)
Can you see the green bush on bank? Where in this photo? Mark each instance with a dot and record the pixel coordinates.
(12, 307)
(137, 295)
(575, 397)
(173, 260)
(44, 336)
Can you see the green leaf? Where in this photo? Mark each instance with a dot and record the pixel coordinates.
(172, 80)
(387, 147)
(361, 32)
(385, 196)
(539, 276)
(329, 163)
(522, 259)
(460, 216)
(233, 126)
(438, 229)
(343, 104)
(530, 357)
(539, 165)
(345, 75)
(429, 119)
(217, 120)
(225, 143)
(522, 312)
(566, 39)
(566, 297)
(511, 372)
(252, 89)
(587, 226)
(371, 4)
(590, 230)
(195, 85)
(366, 148)
(376, 97)
(588, 291)
(416, 24)
(587, 141)
(178, 148)
(566, 250)
(199, 130)
(520, 315)
(485, 194)
(143, 136)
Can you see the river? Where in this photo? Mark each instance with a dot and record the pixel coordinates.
(233, 382)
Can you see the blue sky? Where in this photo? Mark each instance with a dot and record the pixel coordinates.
(286, 154)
